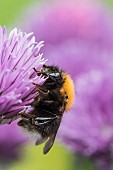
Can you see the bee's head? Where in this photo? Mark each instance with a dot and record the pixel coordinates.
(51, 71)
(54, 76)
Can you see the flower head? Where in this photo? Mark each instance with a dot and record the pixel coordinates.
(88, 128)
(19, 54)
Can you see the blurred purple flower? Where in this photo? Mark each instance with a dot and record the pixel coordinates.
(88, 128)
(11, 142)
(77, 34)
(19, 54)
(62, 20)
(78, 37)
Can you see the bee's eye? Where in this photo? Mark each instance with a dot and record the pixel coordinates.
(55, 74)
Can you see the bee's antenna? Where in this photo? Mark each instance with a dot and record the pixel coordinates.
(36, 70)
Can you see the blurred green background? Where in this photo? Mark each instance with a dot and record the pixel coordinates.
(33, 158)
(59, 158)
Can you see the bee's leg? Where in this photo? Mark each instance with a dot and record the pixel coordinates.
(40, 73)
(36, 70)
(25, 115)
(19, 115)
(41, 89)
(8, 120)
(49, 144)
(51, 84)
(4, 120)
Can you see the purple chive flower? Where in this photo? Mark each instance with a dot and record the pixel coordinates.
(11, 142)
(88, 127)
(19, 54)
(89, 124)
(76, 33)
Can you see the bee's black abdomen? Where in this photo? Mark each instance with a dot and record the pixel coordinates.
(48, 129)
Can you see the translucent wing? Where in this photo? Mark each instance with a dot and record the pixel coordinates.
(49, 144)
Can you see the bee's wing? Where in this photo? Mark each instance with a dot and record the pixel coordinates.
(40, 140)
(49, 144)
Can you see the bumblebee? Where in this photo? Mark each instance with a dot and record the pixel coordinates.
(56, 95)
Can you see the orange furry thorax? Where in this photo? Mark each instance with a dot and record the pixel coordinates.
(68, 89)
